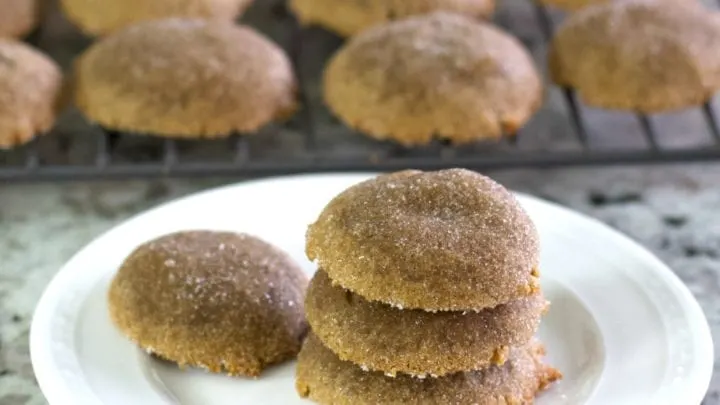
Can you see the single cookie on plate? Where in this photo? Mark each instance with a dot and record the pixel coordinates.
(380, 337)
(326, 379)
(103, 17)
(222, 301)
(349, 17)
(640, 55)
(185, 78)
(446, 240)
(18, 18)
(441, 75)
(30, 87)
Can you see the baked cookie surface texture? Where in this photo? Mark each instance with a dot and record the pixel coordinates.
(226, 302)
(441, 75)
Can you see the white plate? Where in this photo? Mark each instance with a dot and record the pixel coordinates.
(622, 328)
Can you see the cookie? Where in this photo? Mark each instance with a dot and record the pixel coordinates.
(639, 55)
(571, 5)
(30, 86)
(441, 75)
(103, 17)
(349, 17)
(417, 342)
(324, 378)
(18, 18)
(445, 240)
(574, 5)
(185, 78)
(222, 301)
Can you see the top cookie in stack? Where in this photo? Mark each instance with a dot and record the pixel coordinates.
(446, 240)
(427, 292)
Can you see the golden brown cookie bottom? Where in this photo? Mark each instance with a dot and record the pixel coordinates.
(324, 378)
(11, 136)
(241, 366)
(181, 346)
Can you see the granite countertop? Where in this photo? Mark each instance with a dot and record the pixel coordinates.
(673, 210)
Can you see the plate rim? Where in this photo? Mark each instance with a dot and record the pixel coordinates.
(53, 383)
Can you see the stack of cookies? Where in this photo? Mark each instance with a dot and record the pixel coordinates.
(427, 292)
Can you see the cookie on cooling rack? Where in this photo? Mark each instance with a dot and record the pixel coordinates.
(416, 342)
(30, 86)
(103, 17)
(641, 55)
(18, 18)
(223, 301)
(573, 5)
(446, 240)
(349, 17)
(185, 78)
(324, 378)
(441, 75)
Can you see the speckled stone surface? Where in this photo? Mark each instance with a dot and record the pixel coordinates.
(673, 210)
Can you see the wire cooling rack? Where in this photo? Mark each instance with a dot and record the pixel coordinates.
(563, 133)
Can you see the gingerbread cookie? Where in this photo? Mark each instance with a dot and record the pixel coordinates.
(324, 378)
(639, 55)
(436, 76)
(349, 17)
(185, 78)
(223, 301)
(446, 240)
(30, 87)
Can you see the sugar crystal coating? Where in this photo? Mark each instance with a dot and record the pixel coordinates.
(417, 342)
(640, 55)
(445, 240)
(185, 78)
(574, 5)
(103, 17)
(30, 87)
(349, 17)
(223, 301)
(326, 379)
(440, 75)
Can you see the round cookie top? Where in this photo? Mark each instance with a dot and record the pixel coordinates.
(349, 17)
(30, 85)
(223, 301)
(641, 55)
(183, 77)
(103, 17)
(417, 342)
(326, 379)
(18, 17)
(440, 75)
(446, 240)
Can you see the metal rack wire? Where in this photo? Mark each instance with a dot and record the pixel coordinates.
(313, 141)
